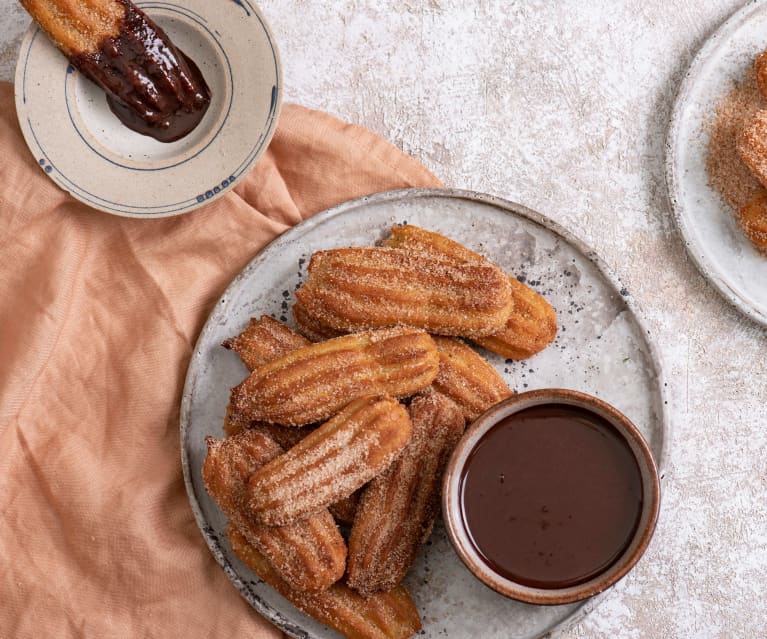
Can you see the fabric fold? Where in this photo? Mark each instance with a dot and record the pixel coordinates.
(98, 318)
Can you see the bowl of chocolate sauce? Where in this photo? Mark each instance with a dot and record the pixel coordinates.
(551, 496)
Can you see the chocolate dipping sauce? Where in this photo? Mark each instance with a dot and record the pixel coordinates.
(551, 496)
(151, 85)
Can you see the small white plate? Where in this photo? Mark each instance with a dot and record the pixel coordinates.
(601, 348)
(707, 224)
(87, 151)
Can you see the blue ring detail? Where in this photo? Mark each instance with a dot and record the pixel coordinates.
(26, 62)
(98, 201)
(95, 202)
(162, 5)
(239, 3)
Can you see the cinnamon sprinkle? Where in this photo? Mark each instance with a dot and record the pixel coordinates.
(727, 173)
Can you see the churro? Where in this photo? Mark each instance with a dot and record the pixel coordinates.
(760, 67)
(467, 378)
(397, 510)
(344, 510)
(331, 463)
(151, 85)
(264, 340)
(390, 615)
(532, 324)
(361, 288)
(308, 554)
(753, 220)
(315, 382)
(752, 146)
(235, 422)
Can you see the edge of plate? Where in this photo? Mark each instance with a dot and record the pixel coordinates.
(383, 197)
(21, 109)
(701, 262)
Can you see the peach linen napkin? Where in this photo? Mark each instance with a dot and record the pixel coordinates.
(98, 318)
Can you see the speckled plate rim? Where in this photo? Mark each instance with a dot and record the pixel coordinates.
(509, 207)
(179, 201)
(696, 251)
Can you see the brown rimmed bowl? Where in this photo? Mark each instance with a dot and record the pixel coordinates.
(460, 536)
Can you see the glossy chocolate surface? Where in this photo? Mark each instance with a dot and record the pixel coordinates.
(551, 496)
(151, 85)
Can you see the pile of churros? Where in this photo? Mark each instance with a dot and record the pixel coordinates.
(347, 424)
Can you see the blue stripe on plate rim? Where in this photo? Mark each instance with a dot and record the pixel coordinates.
(193, 202)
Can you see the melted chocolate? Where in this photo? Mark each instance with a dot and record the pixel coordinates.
(151, 86)
(551, 496)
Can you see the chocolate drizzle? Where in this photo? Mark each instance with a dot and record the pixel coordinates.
(151, 85)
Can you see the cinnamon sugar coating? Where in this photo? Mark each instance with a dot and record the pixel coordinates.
(315, 382)
(753, 220)
(752, 145)
(285, 436)
(390, 615)
(309, 554)
(331, 463)
(344, 510)
(760, 68)
(530, 328)
(397, 510)
(467, 378)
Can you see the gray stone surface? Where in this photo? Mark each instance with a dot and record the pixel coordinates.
(564, 107)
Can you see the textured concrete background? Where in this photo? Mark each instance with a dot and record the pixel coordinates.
(564, 109)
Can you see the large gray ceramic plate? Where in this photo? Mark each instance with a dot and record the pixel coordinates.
(602, 348)
(707, 224)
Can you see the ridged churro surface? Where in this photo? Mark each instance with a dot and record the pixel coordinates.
(532, 324)
(530, 328)
(315, 382)
(467, 378)
(309, 554)
(390, 615)
(263, 340)
(335, 460)
(398, 508)
(360, 288)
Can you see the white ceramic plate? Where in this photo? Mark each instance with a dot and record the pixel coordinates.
(87, 151)
(601, 348)
(707, 224)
